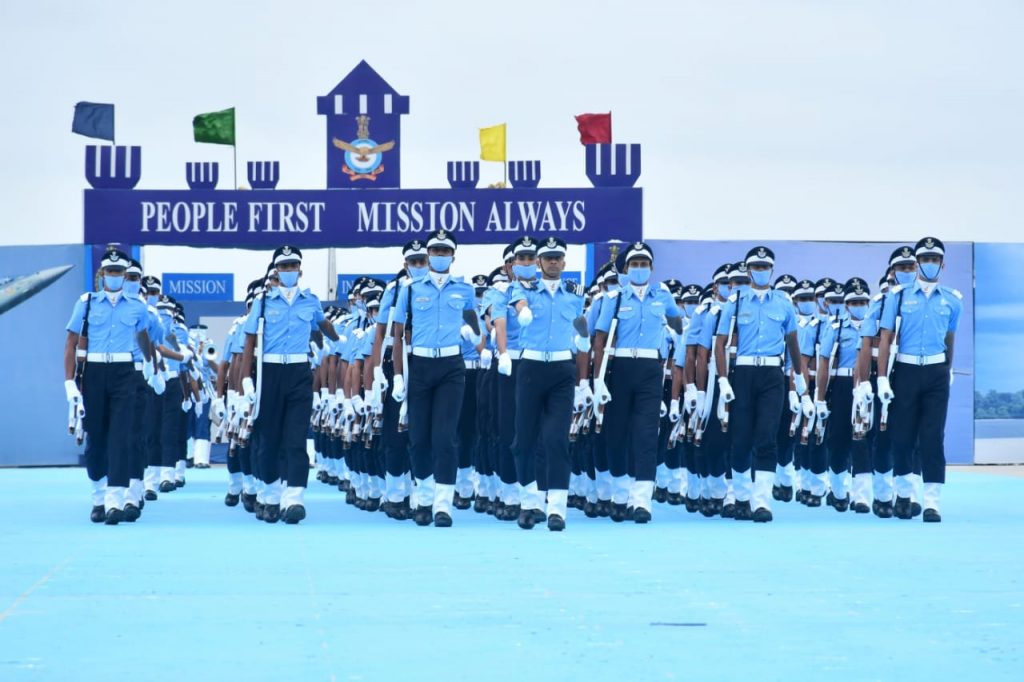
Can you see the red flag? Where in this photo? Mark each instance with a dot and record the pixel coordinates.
(595, 128)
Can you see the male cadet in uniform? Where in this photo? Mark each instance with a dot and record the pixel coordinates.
(903, 270)
(509, 345)
(766, 324)
(153, 409)
(784, 469)
(434, 304)
(553, 355)
(641, 310)
(837, 357)
(488, 498)
(395, 442)
(469, 439)
(922, 318)
(111, 324)
(134, 501)
(172, 418)
(599, 497)
(289, 314)
(807, 324)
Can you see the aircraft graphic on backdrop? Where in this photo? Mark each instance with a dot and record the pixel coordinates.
(15, 290)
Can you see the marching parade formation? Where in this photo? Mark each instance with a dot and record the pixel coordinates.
(518, 395)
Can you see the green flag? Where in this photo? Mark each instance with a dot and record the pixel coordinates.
(217, 127)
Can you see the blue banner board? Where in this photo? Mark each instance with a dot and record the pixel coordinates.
(199, 286)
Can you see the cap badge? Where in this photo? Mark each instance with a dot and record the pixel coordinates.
(441, 234)
(761, 253)
(287, 251)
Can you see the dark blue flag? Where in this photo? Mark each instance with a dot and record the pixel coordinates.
(94, 120)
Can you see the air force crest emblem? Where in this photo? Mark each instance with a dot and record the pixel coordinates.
(363, 156)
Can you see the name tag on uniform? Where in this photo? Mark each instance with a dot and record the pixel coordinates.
(625, 308)
(422, 299)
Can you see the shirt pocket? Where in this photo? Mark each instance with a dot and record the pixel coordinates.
(422, 303)
(627, 312)
(456, 303)
(99, 315)
(305, 318)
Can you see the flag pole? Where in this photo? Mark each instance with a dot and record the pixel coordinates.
(504, 162)
(234, 154)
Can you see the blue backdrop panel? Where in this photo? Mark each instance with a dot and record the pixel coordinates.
(33, 412)
(694, 262)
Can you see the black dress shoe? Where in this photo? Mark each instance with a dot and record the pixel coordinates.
(350, 495)
(604, 508)
(372, 504)
(619, 512)
(151, 495)
(98, 514)
(498, 511)
(360, 503)
(902, 508)
(729, 510)
(189, 463)
(343, 484)
(576, 502)
(271, 513)
(179, 483)
(259, 508)
(661, 495)
(692, 504)
(813, 500)
(883, 510)
(113, 517)
(321, 476)
(480, 505)
(712, 506)
(782, 493)
(167, 486)
(830, 499)
(801, 496)
(526, 519)
(249, 502)
(511, 512)
(676, 499)
(539, 516)
(931, 516)
(403, 510)
(490, 506)
(424, 516)
(442, 520)
(743, 512)
(915, 510)
(762, 515)
(131, 513)
(840, 504)
(142, 503)
(232, 500)
(861, 508)
(589, 508)
(641, 515)
(556, 522)
(335, 481)
(294, 514)
(462, 503)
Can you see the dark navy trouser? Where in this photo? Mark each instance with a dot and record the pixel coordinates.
(544, 396)
(917, 419)
(281, 425)
(108, 394)
(435, 393)
(754, 417)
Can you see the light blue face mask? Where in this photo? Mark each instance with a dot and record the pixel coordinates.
(613, 287)
(525, 271)
(806, 307)
(761, 277)
(741, 289)
(113, 282)
(905, 278)
(723, 290)
(857, 312)
(132, 289)
(835, 308)
(689, 309)
(414, 272)
(930, 271)
(152, 300)
(288, 278)
(440, 263)
(639, 276)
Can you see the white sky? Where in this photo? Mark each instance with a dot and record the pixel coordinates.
(777, 119)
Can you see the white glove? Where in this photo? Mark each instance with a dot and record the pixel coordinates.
(525, 316)
(664, 410)
(398, 391)
(582, 343)
(217, 411)
(358, 405)
(725, 390)
(867, 396)
(348, 412)
(147, 369)
(248, 390)
(158, 383)
(800, 384)
(807, 405)
(504, 364)
(359, 333)
(186, 355)
(72, 392)
(794, 402)
(702, 398)
(186, 404)
(690, 397)
(602, 396)
(588, 395)
(579, 400)
(673, 410)
(821, 408)
(380, 381)
(486, 356)
(316, 401)
(198, 407)
(950, 377)
(885, 393)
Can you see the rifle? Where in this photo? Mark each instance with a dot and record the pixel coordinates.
(819, 430)
(609, 351)
(894, 349)
(76, 412)
(723, 407)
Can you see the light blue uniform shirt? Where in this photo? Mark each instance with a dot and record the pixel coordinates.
(153, 328)
(926, 319)
(551, 329)
(869, 326)
(436, 313)
(112, 328)
(641, 322)
(761, 323)
(594, 312)
(709, 326)
(286, 327)
(500, 309)
(807, 333)
(172, 329)
(849, 342)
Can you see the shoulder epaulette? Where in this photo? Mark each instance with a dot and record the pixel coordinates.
(85, 297)
(702, 308)
(814, 322)
(715, 309)
(612, 294)
(878, 296)
(896, 289)
(664, 287)
(955, 292)
(734, 297)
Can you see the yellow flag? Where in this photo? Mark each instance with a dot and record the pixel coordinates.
(492, 143)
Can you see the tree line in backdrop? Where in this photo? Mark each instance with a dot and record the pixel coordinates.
(996, 405)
